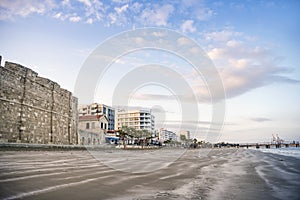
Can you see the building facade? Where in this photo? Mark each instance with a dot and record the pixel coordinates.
(92, 129)
(138, 119)
(166, 135)
(99, 109)
(34, 109)
(187, 134)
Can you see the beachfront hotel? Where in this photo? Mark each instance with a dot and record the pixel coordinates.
(141, 119)
(99, 109)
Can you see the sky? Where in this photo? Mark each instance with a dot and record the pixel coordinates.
(253, 45)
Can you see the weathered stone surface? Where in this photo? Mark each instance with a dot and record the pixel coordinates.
(34, 109)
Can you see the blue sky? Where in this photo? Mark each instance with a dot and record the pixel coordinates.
(253, 44)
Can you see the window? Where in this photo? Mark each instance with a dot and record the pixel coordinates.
(101, 125)
(93, 125)
(105, 126)
(87, 126)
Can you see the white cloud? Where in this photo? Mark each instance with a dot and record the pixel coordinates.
(188, 26)
(113, 18)
(122, 9)
(221, 36)
(89, 21)
(158, 16)
(239, 63)
(66, 3)
(117, 12)
(121, 1)
(196, 8)
(58, 15)
(183, 41)
(120, 16)
(243, 65)
(216, 53)
(203, 14)
(158, 34)
(244, 68)
(234, 43)
(136, 7)
(85, 2)
(10, 8)
(75, 19)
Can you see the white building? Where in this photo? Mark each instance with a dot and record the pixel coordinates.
(139, 119)
(99, 109)
(165, 135)
(92, 129)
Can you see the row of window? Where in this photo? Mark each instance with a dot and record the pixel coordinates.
(92, 125)
(133, 119)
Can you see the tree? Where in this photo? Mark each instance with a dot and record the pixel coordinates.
(123, 133)
(126, 132)
(142, 135)
(194, 143)
(182, 137)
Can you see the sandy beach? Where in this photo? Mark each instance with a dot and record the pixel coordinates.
(157, 174)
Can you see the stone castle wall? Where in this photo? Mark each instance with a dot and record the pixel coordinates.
(34, 109)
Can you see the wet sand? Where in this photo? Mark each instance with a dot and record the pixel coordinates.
(157, 174)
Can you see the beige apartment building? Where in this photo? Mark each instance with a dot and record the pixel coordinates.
(139, 119)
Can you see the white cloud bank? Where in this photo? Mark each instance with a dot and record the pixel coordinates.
(11, 8)
(242, 64)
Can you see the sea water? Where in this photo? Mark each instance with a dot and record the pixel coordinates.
(289, 151)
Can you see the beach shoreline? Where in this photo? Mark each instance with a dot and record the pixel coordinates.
(193, 174)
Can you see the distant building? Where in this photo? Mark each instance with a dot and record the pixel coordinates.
(141, 119)
(165, 135)
(187, 134)
(92, 129)
(100, 109)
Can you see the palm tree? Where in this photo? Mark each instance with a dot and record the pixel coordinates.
(123, 133)
(145, 135)
(142, 135)
(195, 143)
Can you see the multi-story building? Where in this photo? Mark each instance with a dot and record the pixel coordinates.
(187, 134)
(165, 135)
(141, 119)
(99, 109)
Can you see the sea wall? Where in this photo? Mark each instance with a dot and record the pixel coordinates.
(34, 109)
